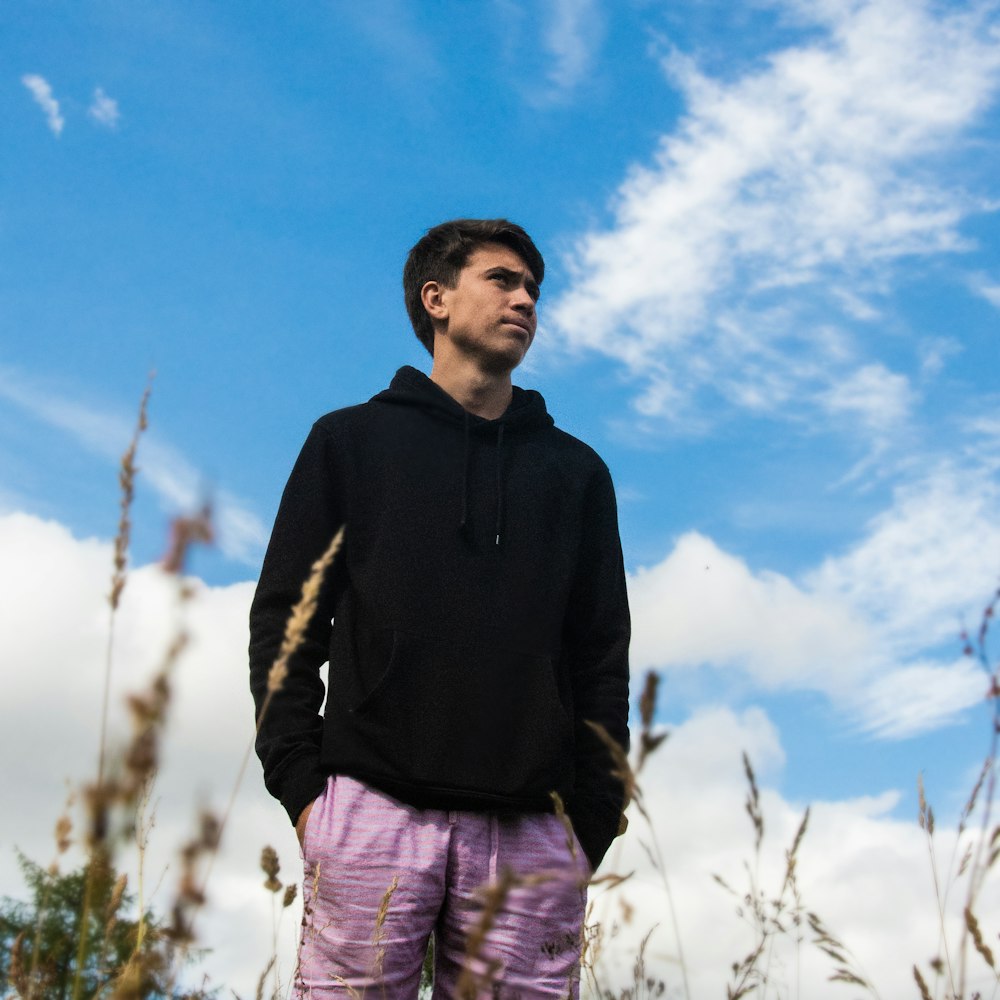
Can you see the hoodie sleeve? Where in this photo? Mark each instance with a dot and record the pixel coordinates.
(597, 636)
(290, 731)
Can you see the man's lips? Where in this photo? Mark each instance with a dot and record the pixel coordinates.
(521, 325)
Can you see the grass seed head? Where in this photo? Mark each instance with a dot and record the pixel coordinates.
(925, 993)
(302, 613)
(117, 893)
(126, 480)
(64, 827)
(925, 817)
(186, 532)
(972, 924)
(270, 867)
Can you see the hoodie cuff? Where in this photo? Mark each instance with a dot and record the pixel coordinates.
(595, 828)
(304, 783)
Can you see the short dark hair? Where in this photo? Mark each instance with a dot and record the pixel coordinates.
(443, 251)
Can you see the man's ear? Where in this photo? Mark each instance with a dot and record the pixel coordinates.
(432, 296)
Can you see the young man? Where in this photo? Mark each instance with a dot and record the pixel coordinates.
(475, 621)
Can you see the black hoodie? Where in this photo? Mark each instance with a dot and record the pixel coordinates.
(475, 618)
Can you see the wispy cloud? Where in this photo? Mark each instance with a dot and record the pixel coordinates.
(880, 398)
(553, 60)
(104, 109)
(988, 288)
(41, 90)
(991, 293)
(399, 35)
(763, 232)
(983, 432)
(925, 562)
(920, 697)
(572, 34)
(177, 483)
(862, 627)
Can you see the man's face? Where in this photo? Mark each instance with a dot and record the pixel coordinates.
(491, 310)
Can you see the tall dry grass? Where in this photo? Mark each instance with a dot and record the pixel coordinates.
(975, 851)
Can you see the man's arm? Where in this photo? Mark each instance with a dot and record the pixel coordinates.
(597, 633)
(290, 731)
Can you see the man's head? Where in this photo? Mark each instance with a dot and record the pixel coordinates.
(443, 252)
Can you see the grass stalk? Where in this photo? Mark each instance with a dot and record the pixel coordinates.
(978, 868)
(127, 471)
(194, 891)
(622, 769)
(126, 480)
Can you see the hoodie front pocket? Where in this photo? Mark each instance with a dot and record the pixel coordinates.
(383, 680)
(476, 717)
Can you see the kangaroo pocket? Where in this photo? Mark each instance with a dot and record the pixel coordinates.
(476, 718)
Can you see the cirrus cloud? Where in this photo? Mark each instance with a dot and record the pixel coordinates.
(104, 109)
(41, 91)
(742, 257)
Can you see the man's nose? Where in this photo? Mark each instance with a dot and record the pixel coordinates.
(523, 301)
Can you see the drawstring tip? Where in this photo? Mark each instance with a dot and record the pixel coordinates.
(498, 539)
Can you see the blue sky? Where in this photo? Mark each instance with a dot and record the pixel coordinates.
(771, 304)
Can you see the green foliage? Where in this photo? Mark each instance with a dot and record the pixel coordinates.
(40, 939)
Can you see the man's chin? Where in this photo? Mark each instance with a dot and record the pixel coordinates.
(497, 360)
(503, 364)
(500, 362)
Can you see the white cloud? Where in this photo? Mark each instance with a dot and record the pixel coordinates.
(549, 45)
(104, 109)
(771, 199)
(991, 293)
(855, 305)
(704, 606)
(935, 352)
(986, 287)
(920, 697)
(984, 434)
(865, 873)
(180, 487)
(571, 36)
(926, 562)
(41, 90)
(880, 398)
(861, 627)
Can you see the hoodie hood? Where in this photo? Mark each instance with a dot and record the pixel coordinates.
(410, 387)
(526, 411)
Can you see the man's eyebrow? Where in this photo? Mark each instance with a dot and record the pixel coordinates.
(533, 290)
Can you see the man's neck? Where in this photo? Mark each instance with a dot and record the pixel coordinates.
(483, 393)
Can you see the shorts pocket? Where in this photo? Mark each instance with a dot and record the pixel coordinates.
(314, 818)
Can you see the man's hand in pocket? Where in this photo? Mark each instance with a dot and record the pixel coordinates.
(300, 823)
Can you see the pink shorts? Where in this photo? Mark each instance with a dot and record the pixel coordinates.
(381, 876)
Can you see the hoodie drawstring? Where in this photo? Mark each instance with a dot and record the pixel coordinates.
(464, 522)
(499, 481)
